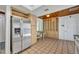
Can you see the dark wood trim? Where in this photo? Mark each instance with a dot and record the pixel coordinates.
(11, 50)
(2, 12)
(18, 13)
(65, 12)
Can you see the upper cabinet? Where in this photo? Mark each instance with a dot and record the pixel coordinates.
(51, 24)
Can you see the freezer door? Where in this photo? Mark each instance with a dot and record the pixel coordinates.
(16, 35)
(26, 30)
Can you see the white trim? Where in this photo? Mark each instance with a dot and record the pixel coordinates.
(7, 39)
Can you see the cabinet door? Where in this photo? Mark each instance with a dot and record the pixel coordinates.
(66, 28)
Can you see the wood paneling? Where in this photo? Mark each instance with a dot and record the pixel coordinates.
(18, 13)
(65, 12)
(51, 27)
(33, 19)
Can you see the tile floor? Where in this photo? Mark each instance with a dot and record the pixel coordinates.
(51, 46)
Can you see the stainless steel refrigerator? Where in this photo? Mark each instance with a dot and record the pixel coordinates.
(20, 34)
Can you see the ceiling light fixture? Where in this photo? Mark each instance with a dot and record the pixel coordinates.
(48, 15)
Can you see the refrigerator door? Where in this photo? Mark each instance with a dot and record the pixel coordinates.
(26, 31)
(16, 35)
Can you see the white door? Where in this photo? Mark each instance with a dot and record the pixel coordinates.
(66, 28)
(61, 28)
(69, 28)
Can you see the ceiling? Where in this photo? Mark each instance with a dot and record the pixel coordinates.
(47, 9)
(64, 12)
(40, 10)
(21, 9)
(32, 7)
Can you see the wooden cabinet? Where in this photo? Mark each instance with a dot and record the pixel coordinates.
(51, 27)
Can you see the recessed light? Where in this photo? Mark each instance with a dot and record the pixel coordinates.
(48, 15)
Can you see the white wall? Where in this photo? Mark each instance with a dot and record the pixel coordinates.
(69, 29)
(76, 20)
(7, 40)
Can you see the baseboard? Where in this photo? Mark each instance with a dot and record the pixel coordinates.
(66, 39)
(51, 38)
